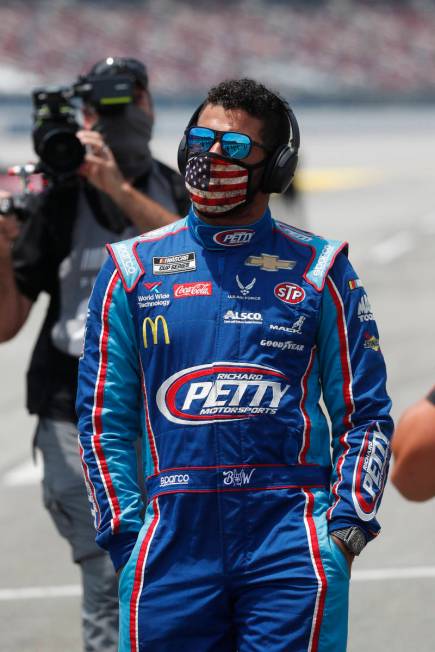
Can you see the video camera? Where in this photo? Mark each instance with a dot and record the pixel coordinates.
(55, 126)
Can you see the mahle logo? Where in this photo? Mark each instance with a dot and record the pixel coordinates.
(223, 391)
(152, 325)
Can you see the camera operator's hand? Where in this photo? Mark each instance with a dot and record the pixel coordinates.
(9, 230)
(100, 167)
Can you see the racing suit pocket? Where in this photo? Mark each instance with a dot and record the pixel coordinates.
(339, 557)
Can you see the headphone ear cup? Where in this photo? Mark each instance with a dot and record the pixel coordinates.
(182, 155)
(280, 170)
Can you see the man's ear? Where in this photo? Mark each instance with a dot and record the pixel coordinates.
(144, 100)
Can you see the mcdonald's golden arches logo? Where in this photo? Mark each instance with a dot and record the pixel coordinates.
(154, 326)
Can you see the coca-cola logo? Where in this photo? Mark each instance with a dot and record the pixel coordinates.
(233, 237)
(289, 293)
(198, 289)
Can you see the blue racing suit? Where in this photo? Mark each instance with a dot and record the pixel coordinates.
(221, 349)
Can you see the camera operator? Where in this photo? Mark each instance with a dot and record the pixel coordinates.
(58, 248)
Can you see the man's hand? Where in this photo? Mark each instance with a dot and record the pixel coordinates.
(9, 230)
(100, 167)
(349, 556)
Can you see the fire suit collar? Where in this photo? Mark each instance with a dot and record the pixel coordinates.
(226, 238)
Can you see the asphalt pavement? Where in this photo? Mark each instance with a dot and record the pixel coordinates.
(366, 177)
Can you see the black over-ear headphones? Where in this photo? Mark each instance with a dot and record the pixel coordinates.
(281, 164)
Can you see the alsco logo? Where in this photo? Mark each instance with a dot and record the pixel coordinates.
(153, 325)
(233, 237)
(198, 289)
(221, 391)
(289, 293)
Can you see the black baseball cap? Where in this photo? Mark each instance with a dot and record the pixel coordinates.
(121, 66)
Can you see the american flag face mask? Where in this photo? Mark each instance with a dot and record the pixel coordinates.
(218, 185)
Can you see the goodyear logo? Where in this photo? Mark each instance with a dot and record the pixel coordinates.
(153, 326)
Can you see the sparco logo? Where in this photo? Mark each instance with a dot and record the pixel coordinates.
(233, 237)
(324, 260)
(365, 309)
(177, 478)
(128, 261)
(289, 293)
(221, 391)
(199, 289)
(236, 478)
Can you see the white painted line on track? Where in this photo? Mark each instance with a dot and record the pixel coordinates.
(27, 473)
(388, 250)
(410, 573)
(74, 590)
(41, 592)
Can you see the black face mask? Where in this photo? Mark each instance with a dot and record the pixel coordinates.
(128, 135)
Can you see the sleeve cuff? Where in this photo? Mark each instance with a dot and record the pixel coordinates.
(120, 548)
(342, 524)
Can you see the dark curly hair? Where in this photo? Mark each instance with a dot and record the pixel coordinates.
(258, 101)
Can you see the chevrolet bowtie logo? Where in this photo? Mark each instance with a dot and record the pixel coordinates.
(269, 262)
(154, 327)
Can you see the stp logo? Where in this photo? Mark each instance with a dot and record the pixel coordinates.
(289, 293)
(234, 237)
(223, 391)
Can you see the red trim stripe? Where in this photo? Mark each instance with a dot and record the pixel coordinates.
(238, 489)
(89, 483)
(99, 405)
(320, 573)
(150, 432)
(139, 577)
(307, 421)
(346, 388)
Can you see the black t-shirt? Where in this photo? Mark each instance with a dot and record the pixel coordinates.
(45, 241)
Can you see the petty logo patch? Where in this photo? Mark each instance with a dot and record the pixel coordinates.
(234, 237)
(289, 293)
(174, 264)
(223, 391)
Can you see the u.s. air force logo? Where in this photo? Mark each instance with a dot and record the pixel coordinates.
(152, 326)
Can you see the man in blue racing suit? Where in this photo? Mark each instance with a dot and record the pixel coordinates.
(213, 341)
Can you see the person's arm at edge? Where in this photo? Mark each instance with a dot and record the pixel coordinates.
(413, 444)
(15, 306)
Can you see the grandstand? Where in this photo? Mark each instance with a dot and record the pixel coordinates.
(336, 48)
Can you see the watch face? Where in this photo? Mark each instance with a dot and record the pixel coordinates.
(355, 540)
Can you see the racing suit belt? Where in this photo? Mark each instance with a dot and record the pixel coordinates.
(243, 477)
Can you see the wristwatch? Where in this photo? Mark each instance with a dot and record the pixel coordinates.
(353, 538)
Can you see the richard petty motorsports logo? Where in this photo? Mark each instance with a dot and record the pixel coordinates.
(370, 472)
(223, 391)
